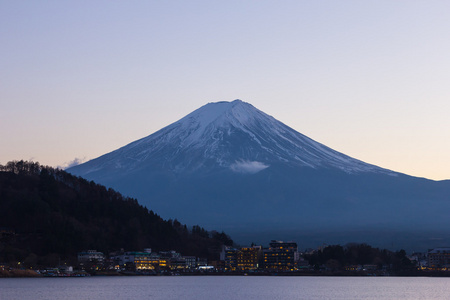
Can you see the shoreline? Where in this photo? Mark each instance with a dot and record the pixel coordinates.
(20, 273)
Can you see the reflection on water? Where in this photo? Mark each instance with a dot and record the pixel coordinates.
(225, 287)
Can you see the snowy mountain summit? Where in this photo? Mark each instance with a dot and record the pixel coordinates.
(229, 166)
(230, 135)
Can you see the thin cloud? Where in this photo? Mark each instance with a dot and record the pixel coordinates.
(75, 162)
(248, 167)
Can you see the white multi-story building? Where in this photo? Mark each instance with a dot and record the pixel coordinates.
(91, 256)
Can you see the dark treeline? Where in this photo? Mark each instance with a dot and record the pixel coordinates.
(337, 257)
(48, 215)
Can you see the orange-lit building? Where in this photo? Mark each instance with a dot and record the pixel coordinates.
(281, 256)
(146, 262)
(133, 260)
(248, 258)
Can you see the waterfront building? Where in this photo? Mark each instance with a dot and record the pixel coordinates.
(229, 257)
(90, 256)
(133, 260)
(178, 263)
(439, 258)
(171, 260)
(146, 261)
(248, 258)
(191, 262)
(281, 256)
(419, 259)
(353, 268)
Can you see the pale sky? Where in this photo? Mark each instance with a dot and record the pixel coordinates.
(371, 79)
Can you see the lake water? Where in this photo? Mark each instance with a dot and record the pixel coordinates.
(225, 287)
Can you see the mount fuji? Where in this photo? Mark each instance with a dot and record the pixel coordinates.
(230, 166)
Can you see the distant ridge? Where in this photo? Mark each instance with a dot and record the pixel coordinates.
(229, 165)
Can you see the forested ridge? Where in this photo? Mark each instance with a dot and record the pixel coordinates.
(47, 213)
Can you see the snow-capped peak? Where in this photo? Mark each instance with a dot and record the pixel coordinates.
(233, 135)
(213, 117)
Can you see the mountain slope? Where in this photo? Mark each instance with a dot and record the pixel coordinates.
(227, 164)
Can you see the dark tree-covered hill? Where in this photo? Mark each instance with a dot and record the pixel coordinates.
(46, 212)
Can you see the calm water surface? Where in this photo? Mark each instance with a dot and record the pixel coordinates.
(225, 287)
